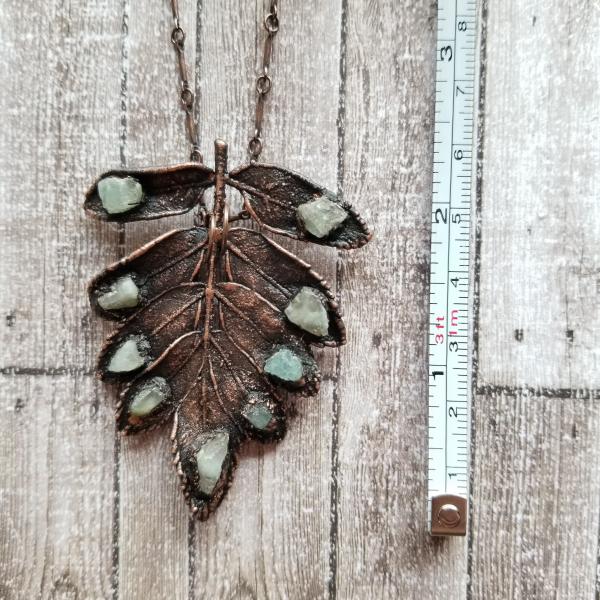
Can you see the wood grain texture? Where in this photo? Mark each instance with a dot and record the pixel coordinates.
(337, 510)
(541, 222)
(56, 449)
(56, 432)
(53, 98)
(536, 485)
(383, 548)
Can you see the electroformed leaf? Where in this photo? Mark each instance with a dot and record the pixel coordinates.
(213, 321)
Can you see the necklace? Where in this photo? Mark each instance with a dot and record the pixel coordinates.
(214, 320)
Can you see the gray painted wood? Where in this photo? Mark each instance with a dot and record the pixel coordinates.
(541, 232)
(337, 510)
(537, 496)
(383, 548)
(56, 459)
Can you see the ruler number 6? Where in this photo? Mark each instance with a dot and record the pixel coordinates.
(446, 53)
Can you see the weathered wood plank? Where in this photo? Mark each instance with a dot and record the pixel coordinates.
(540, 263)
(152, 512)
(536, 480)
(52, 98)
(383, 548)
(536, 497)
(56, 436)
(56, 450)
(270, 537)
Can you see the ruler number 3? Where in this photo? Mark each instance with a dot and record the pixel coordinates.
(446, 53)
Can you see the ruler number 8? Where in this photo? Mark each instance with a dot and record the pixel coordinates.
(462, 26)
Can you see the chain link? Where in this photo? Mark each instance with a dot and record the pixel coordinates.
(186, 94)
(263, 82)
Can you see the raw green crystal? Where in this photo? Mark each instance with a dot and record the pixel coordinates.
(320, 217)
(307, 311)
(123, 293)
(149, 396)
(128, 357)
(209, 460)
(258, 413)
(284, 365)
(119, 194)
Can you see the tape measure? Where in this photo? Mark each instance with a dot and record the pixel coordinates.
(449, 352)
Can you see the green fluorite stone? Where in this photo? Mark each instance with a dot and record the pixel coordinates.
(320, 217)
(284, 365)
(258, 414)
(307, 311)
(119, 194)
(123, 293)
(209, 460)
(128, 357)
(149, 396)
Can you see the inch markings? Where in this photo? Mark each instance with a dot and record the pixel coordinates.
(449, 390)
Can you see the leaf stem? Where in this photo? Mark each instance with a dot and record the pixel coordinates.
(220, 173)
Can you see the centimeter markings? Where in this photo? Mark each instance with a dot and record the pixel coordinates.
(449, 390)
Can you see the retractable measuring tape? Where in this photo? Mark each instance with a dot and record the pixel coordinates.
(449, 351)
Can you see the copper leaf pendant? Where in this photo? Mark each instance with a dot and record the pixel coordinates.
(214, 319)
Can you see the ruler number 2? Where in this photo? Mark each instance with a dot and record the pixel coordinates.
(441, 215)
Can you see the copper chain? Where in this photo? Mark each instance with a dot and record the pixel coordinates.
(263, 82)
(186, 94)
